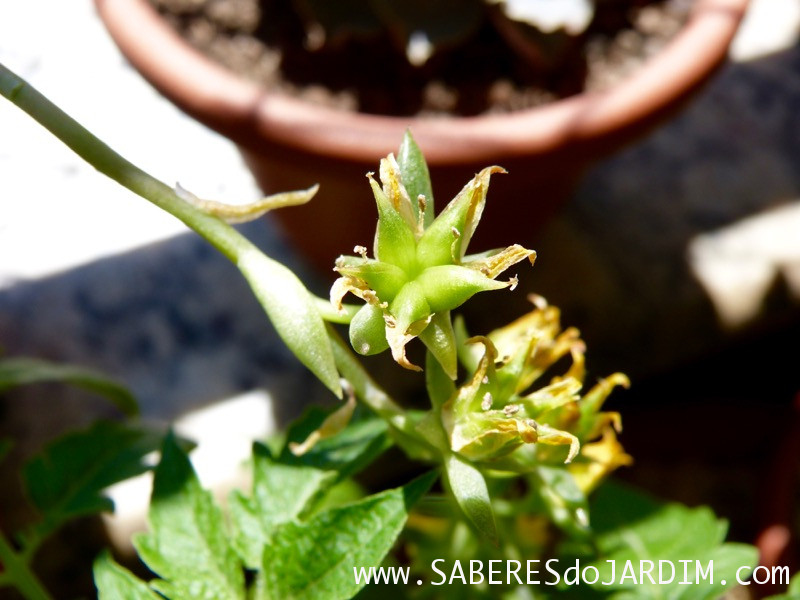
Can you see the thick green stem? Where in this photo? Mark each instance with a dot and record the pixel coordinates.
(18, 573)
(371, 394)
(330, 314)
(296, 313)
(94, 151)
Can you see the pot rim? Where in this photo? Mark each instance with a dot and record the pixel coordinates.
(248, 113)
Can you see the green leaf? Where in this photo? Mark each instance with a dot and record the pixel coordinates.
(15, 372)
(416, 178)
(632, 527)
(470, 491)
(293, 313)
(290, 486)
(347, 452)
(114, 582)
(280, 493)
(68, 478)
(288, 304)
(316, 559)
(188, 546)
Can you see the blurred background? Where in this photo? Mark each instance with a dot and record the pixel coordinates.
(679, 260)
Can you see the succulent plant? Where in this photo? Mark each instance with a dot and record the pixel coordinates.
(537, 29)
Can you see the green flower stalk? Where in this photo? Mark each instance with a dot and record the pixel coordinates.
(421, 270)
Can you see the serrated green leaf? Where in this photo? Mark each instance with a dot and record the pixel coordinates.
(188, 546)
(470, 491)
(416, 178)
(280, 492)
(347, 452)
(15, 372)
(114, 582)
(68, 477)
(290, 486)
(632, 527)
(315, 559)
(293, 314)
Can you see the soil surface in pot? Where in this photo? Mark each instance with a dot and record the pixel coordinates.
(267, 42)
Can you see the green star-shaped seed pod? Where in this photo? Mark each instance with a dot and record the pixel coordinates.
(421, 270)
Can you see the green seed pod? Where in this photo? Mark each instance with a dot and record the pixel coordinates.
(419, 273)
(448, 286)
(368, 331)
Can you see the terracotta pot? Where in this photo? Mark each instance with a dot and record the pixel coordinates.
(291, 144)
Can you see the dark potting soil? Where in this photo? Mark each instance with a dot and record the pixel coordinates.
(265, 41)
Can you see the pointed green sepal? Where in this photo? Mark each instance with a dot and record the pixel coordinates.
(469, 489)
(448, 286)
(446, 240)
(410, 306)
(114, 582)
(384, 278)
(440, 340)
(416, 178)
(395, 242)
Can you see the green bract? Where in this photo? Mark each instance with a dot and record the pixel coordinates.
(420, 271)
(498, 411)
